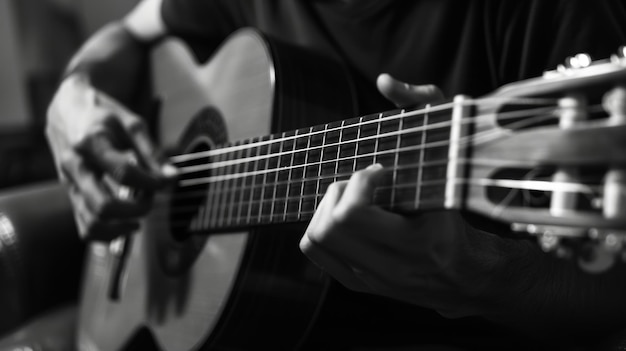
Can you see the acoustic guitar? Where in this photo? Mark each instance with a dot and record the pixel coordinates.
(216, 263)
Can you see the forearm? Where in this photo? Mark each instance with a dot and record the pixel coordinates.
(112, 60)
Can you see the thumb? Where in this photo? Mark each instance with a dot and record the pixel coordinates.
(404, 94)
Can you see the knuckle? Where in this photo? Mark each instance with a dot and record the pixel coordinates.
(360, 177)
(343, 215)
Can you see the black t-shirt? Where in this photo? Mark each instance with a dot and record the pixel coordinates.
(468, 47)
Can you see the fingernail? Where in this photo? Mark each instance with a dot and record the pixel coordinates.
(374, 166)
(169, 171)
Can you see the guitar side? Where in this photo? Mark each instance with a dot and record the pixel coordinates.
(206, 292)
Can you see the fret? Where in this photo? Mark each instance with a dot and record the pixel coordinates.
(347, 150)
(282, 177)
(422, 150)
(394, 182)
(255, 190)
(294, 161)
(216, 193)
(269, 163)
(408, 159)
(366, 145)
(306, 171)
(234, 186)
(227, 192)
(329, 159)
(435, 158)
(338, 153)
(313, 170)
(385, 155)
(356, 144)
(244, 191)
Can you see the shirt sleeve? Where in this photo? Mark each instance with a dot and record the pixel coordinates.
(198, 19)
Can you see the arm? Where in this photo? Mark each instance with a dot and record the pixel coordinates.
(100, 146)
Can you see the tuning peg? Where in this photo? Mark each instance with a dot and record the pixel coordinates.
(581, 60)
(619, 57)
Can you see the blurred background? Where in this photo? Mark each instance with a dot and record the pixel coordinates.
(40, 251)
(37, 39)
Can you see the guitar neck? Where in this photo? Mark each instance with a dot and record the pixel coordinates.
(283, 177)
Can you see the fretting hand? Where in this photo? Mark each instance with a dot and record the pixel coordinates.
(430, 259)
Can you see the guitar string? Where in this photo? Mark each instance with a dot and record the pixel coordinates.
(215, 194)
(219, 164)
(260, 217)
(546, 185)
(429, 109)
(468, 141)
(537, 184)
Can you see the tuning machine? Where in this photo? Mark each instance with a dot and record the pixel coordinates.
(595, 250)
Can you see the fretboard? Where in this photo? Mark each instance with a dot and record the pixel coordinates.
(283, 177)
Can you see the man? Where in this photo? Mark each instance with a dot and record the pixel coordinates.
(435, 260)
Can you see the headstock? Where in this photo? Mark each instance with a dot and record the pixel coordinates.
(549, 156)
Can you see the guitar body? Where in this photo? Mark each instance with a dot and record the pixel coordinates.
(243, 290)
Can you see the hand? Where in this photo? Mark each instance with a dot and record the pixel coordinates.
(105, 155)
(426, 259)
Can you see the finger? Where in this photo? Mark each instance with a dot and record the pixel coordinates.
(405, 95)
(98, 200)
(92, 228)
(102, 149)
(332, 265)
(321, 217)
(141, 141)
(359, 191)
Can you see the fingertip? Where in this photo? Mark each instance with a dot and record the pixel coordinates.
(374, 167)
(384, 82)
(374, 171)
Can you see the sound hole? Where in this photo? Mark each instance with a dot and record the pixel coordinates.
(189, 210)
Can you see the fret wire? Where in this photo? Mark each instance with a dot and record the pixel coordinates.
(338, 150)
(256, 167)
(214, 194)
(420, 170)
(289, 181)
(264, 181)
(395, 160)
(225, 200)
(319, 170)
(235, 188)
(276, 175)
(356, 146)
(377, 138)
(306, 161)
(243, 183)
